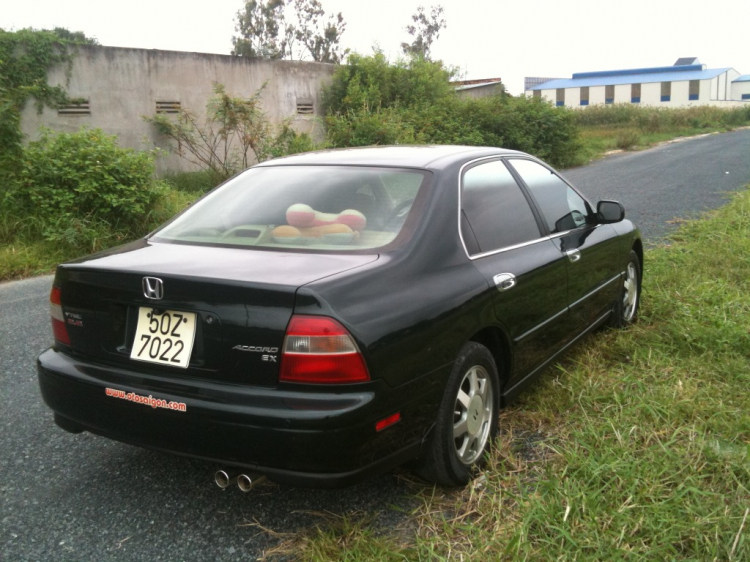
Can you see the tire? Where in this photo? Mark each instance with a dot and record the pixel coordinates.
(469, 409)
(625, 310)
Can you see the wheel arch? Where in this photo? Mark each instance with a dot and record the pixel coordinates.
(496, 341)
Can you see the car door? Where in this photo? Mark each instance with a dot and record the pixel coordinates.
(525, 270)
(590, 248)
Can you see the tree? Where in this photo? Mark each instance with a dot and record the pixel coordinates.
(425, 30)
(265, 33)
(322, 44)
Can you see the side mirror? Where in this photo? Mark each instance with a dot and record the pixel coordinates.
(608, 212)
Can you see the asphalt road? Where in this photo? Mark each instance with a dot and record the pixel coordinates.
(676, 180)
(82, 497)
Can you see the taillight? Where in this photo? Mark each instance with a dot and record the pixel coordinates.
(59, 330)
(318, 349)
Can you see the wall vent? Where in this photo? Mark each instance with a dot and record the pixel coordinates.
(167, 107)
(81, 107)
(305, 108)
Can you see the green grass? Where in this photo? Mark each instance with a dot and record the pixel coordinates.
(24, 250)
(630, 127)
(635, 447)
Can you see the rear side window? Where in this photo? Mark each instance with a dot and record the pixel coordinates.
(496, 211)
(562, 207)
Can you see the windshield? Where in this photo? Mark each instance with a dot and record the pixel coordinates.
(332, 208)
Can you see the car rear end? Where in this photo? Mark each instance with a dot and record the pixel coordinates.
(193, 347)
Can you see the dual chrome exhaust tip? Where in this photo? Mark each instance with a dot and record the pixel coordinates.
(246, 481)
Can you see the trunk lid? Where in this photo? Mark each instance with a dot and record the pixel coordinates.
(243, 300)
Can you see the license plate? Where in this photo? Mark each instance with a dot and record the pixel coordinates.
(164, 336)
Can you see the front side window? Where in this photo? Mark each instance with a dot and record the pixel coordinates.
(496, 211)
(562, 207)
(331, 208)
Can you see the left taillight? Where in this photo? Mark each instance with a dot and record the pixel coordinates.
(59, 330)
(319, 350)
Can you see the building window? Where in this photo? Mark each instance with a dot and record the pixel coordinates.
(77, 107)
(666, 91)
(694, 91)
(538, 94)
(560, 97)
(609, 94)
(167, 107)
(635, 93)
(584, 95)
(746, 96)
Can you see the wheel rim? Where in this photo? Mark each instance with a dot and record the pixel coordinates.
(630, 298)
(472, 414)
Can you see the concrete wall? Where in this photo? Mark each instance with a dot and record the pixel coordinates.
(123, 85)
(718, 91)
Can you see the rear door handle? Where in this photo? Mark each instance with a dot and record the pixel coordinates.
(504, 281)
(573, 255)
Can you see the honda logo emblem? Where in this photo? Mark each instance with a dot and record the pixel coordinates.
(153, 288)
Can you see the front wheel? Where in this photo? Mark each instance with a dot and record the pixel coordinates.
(467, 419)
(625, 310)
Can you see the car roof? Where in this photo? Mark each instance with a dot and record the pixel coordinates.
(429, 157)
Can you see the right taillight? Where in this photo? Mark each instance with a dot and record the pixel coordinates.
(318, 349)
(59, 330)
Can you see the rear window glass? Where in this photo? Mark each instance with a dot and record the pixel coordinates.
(331, 208)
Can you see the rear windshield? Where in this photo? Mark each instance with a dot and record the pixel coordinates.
(331, 208)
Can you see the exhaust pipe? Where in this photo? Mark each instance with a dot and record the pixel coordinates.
(249, 481)
(224, 478)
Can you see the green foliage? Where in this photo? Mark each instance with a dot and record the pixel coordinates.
(262, 29)
(320, 37)
(265, 33)
(192, 182)
(235, 133)
(627, 138)
(371, 101)
(78, 184)
(424, 31)
(26, 56)
(657, 119)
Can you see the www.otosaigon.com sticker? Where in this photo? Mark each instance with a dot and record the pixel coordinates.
(146, 400)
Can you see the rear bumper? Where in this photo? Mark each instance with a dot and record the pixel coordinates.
(322, 438)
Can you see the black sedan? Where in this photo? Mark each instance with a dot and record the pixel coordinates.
(327, 316)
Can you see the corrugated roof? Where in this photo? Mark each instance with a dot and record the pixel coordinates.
(613, 78)
(743, 78)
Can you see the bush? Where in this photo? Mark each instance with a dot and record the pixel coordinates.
(78, 185)
(372, 102)
(627, 138)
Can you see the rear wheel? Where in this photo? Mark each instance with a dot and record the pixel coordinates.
(467, 419)
(625, 310)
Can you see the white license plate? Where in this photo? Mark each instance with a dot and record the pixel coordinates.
(165, 337)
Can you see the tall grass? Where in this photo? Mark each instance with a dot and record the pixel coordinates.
(24, 251)
(625, 126)
(635, 447)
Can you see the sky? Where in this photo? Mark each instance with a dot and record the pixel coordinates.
(483, 38)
